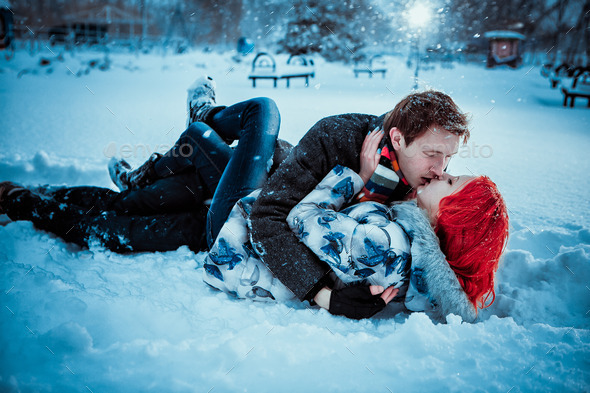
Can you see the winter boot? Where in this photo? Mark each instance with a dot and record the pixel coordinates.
(7, 188)
(118, 170)
(120, 173)
(201, 100)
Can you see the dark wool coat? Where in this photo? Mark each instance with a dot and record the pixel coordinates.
(335, 140)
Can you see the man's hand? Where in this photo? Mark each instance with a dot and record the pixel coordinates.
(370, 154)
(355, 301)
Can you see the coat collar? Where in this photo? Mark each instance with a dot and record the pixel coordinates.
(443, 286)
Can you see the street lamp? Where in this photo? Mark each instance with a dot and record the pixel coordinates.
(418, 16)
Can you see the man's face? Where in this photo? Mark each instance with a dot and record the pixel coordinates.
(427, 156)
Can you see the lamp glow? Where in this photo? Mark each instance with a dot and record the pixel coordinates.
(419, 15)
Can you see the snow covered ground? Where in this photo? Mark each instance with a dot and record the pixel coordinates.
(91, 320)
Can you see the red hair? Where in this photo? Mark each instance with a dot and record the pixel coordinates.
(472, 225)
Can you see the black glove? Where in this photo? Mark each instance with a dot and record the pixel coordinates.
(355, 302)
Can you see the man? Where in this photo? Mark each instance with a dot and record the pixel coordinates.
(422, 133)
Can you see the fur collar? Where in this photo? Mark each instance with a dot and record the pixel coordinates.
(440, 279)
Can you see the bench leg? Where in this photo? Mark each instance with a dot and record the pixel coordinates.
(565, 100)
(588, 102)
(275, 82)
(307, 84)
(572, 99)
(254, 82)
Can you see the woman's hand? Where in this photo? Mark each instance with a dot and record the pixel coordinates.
(386, 294)
(370, 154)
(356, 301)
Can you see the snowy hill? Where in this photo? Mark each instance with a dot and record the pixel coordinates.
(78, 320)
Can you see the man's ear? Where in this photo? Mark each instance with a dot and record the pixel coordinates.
(397, 139)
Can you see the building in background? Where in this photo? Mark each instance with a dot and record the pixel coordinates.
(504, 48)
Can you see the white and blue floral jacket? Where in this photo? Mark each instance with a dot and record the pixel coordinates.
(367, 241)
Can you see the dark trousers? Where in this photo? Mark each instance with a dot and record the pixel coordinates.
(84, 222)
(228, 174)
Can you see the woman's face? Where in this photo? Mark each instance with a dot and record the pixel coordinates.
(429, 195)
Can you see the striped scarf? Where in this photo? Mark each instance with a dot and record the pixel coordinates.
(387, 183)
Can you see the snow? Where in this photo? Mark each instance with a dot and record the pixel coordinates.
(78, 320)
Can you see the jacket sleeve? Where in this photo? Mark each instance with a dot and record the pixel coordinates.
(338, 188)
(318, 224)
(332, 141)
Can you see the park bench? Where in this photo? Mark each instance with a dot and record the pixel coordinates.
(265, 67)
(562, 71)
(546, 70)
(580, 87)
(375, 65)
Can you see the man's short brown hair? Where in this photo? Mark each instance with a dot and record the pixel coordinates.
(417, 112)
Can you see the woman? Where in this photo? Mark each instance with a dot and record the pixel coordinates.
(394, 247)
